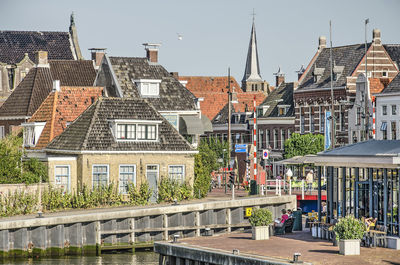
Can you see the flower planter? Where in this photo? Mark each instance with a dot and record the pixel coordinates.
(260, 232)
(349, 247)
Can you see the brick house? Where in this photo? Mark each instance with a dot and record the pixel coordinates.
(36, 86)
(18, 48)
(313, 96)
(120, 140)
(136, 77)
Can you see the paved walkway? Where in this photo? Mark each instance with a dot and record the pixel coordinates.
(312, 250)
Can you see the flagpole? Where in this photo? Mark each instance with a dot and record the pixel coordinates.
(332, 95)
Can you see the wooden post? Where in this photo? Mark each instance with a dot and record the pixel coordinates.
(165, 225)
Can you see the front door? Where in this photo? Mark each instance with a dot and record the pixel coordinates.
(152, 178)
(362, 199)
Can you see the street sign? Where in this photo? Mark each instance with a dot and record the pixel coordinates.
(240, 150)
(240, 146)
(265, 154)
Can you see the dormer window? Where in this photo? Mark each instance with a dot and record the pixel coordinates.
(32, 132)
(135, 130)
(337, 72)
(148, 87)
(283, 109)
(317, 73)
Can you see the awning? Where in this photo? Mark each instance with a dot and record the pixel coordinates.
(190, 125)
(207, 125)
(297, 160)
(383, 126)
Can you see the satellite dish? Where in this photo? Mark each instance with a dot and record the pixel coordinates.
(180, 36)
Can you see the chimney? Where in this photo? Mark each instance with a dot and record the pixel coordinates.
(376, 37)
(321, 42)
(152, 51)
(175, 75)
(56, 86)
(97, 56)
(279, 77)
(41, 59)
(300, 72)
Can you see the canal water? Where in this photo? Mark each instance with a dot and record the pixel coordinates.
(139, 258)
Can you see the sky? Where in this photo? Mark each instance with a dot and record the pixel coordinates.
(215, 33)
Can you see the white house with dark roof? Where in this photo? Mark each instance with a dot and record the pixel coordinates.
(145, 78)
(121, 140)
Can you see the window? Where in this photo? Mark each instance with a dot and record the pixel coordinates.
(302, 120)
(384, 110)
(311, 118)
(275, 139)
(393, 127)
(267, 138)
(127, 175)
(342, 118)
(32, 132)
(62, 179)
(100, 176)
(11, 76)
(2, 133)
(321, 120)
(261, 139)
(126, 131)
(177, 172)
(146, 132)
(394, 110)
(282, 111)
(282, 139)
(358, 116)
(149, 89)
(384, 130)
(289, 133)
(385, 72)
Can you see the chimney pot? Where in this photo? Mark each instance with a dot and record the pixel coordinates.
(280, 79)
(321, 42)
(56, 85)
(41, 59)
(376, 36)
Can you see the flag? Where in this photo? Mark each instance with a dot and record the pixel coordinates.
(327, 130)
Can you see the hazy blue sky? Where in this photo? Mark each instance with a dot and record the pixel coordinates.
(215, 33)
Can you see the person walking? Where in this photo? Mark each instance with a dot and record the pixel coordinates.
(310, 180)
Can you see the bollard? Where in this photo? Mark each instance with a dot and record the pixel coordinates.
(290, 187)
(280, 187)
(302, 189)
(175, 239)
(296, 258)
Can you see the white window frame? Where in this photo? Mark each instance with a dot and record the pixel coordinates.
(108, 173)
(115, 123)
(119, 176)
(146, 85)
(69, 176)
(32, 132)
(183, 173)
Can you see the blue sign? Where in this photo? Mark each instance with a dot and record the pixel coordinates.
(327, 130)
(240, 146)
(240, 150)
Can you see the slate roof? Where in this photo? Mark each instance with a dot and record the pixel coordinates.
(62, 107)
(38, 83)
(394, 52)
(173, 95)
(91, 130)
(347, 56)
(394, 86)
(14, 45)
(366, 148)
(282, 95)
(245, 103)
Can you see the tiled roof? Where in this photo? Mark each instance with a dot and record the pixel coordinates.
(245, 103)
(14, 45)
(376, 85)
(173, 95)
(283, 95)
(394, 52)
(394, 86)
(347, 57)
(91, 131)
(213, 90)
(63, 107)
(38, 83)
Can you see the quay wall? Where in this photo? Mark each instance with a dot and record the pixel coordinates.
(91, 231)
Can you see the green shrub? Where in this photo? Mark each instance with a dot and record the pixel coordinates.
(170, 190)
(141, 195)
(202, 178)
(349, 228)
(33, 169)
(260, 217)
(18, 202)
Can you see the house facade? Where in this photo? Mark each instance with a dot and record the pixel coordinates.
(313, 96)
(120, 141)
(145, 78)
(18, 49)
(37, 85)
(387, 102)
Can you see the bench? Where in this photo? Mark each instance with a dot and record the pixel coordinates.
(287, 227)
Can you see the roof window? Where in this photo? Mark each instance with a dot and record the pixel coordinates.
(32, 132)
(135, 130)
(148, 87)
(317, 73)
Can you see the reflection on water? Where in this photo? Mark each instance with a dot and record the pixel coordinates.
(145, 258)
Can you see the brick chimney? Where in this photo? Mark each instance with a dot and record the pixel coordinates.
(376, 37)
(41, 59)
(152, 51)
(279, 77)
(97, 56)
(321, 42)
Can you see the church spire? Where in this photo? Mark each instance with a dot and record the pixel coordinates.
(252, 71)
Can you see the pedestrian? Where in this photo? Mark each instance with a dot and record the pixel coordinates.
(310, 180)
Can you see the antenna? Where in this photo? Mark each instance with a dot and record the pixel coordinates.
(254, 15)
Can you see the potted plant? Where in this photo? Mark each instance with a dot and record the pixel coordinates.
(260, 220)
(349, 232)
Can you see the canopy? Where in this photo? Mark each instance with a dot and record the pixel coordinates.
(190, 125)
(207, 125)
(297, 160)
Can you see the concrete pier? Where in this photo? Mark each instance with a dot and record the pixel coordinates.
(91, 231)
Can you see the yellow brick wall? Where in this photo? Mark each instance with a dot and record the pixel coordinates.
(66, 162)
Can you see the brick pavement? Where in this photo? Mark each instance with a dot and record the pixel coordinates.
(312, 250)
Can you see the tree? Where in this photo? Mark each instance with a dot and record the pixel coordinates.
(300, 145)
(202, 177)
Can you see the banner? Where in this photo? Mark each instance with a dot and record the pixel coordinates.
(327, 130)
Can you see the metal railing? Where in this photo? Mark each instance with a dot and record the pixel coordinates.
(279, 186)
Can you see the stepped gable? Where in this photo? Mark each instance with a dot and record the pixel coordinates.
(92, 132)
